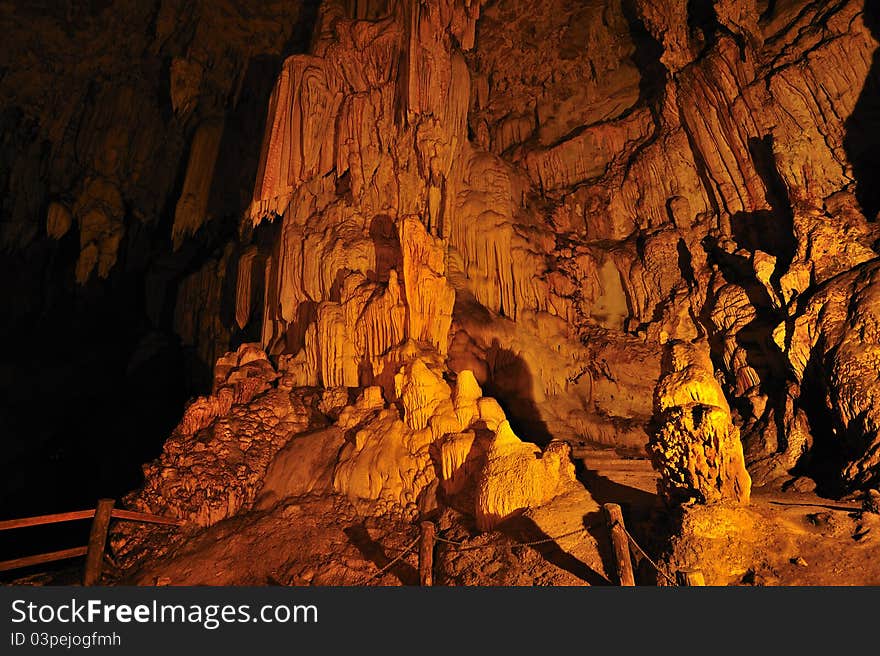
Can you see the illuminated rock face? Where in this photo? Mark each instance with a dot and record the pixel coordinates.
(518, 476)
(255, 441)
(355, 164)
(457, 436)
(449, 217)
(396, 221)
(460, 206)
(838, 338)
(228, 439)
(695, 447)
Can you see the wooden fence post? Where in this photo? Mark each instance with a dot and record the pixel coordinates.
(614, 520)
(690, 577)
(97, 541)
(426, 555)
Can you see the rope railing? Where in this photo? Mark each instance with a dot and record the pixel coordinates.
(644, 555)
(462, 546)
(623, 543)
(396, 560)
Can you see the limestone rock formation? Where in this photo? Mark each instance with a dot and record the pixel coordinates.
(301, 467)
(837, 339)
(456, 435)
(228, 438)
(407, 236)
(439, 213)
(256, 441)
(518, 476)
(695, 447)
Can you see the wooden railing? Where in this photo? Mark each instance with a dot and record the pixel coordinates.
(94, 550)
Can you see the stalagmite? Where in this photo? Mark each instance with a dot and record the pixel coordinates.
(517, 475)
(695, 447)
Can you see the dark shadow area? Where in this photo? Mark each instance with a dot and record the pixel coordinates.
(705, 28)
(306, 314)
(386, 241)
(90, 391)
(646, 57)
(771, 232)
(862, 139)
(522, 529)
(301, 36)
(375, 553)
(828, 455)
(762, 230)
(756, 337)
(510, 383)
(238, 157)
(768, 12)
(645, 517)
(165, 278)
(703, 23)
(685, 263)
(633, 501)
(62, 572)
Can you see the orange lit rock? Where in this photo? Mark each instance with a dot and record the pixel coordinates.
(192, 206)
(590, 153)
(518, 475)
(454, 198)
(421, 391)
(839, 331)
(430, 297)
(215, 461)
(300, 467)
(695, 447)
(58, 220)
(390, 462)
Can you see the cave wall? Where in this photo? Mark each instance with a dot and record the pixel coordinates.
(119, 121)
(605, 177)
(544, 197)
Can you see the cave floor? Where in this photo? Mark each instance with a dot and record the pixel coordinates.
(322, 540)
(783, 538)
(805, 539)
(814, 541)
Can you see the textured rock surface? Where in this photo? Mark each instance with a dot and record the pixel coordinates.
(215, 461)
(256, 441)
(468, 221)
(695, 447)
(438, 211)
(837, 338)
